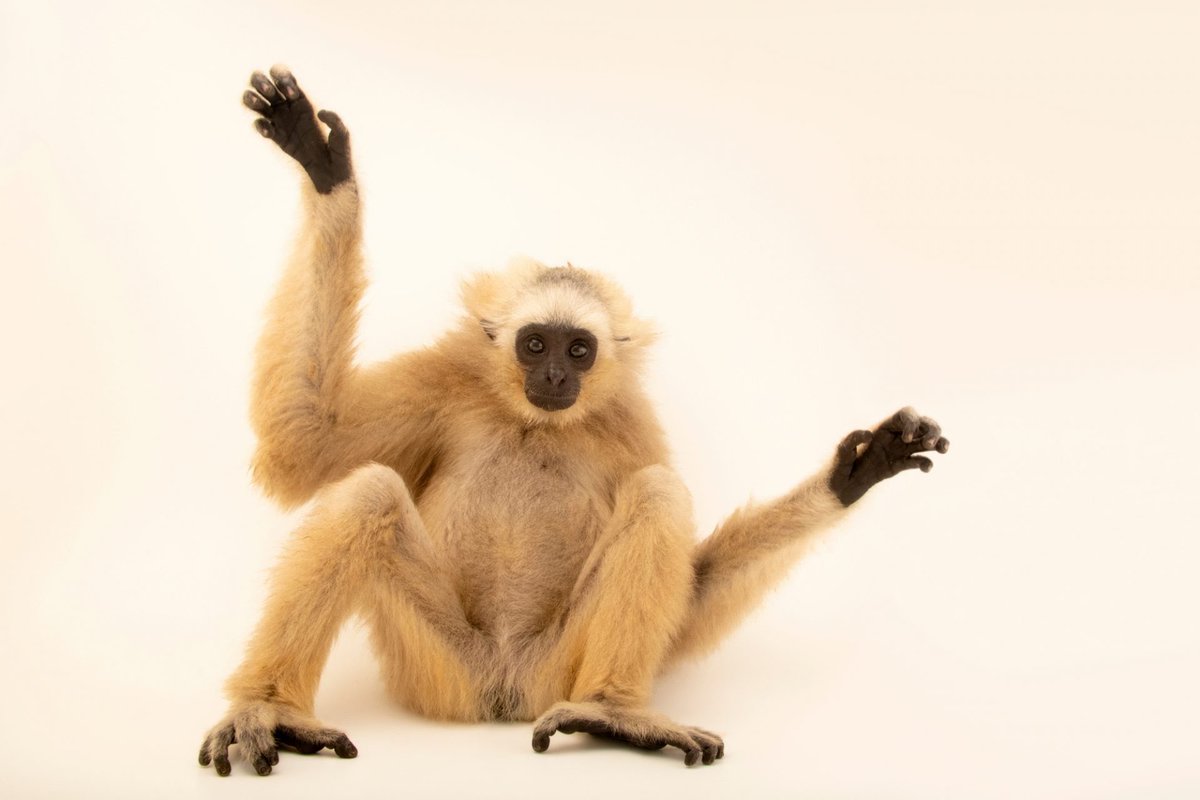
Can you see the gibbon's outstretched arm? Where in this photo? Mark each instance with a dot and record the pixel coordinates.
(317, 416)
(755, 547)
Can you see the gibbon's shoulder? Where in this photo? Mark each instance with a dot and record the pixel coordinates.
(447, 366)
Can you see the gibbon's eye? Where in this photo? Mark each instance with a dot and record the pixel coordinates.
(535, 345)
(578, 350)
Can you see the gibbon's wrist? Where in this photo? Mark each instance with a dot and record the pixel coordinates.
(816, 496)
(340, 205)
(310, 191)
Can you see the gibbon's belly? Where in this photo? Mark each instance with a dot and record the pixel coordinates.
(514, 526)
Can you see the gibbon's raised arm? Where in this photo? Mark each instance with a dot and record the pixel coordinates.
(317, 416)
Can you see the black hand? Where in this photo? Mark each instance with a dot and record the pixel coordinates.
(287, 119)
(890, 449)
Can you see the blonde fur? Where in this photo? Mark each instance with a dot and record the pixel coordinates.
(510, 562)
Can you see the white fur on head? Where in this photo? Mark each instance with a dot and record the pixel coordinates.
(555, 303)
(529, 292)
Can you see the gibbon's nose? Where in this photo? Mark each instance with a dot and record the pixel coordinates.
(555, 375)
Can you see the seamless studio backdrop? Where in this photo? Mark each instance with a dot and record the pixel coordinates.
(831, 210)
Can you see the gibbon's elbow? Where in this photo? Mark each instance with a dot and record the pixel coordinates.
(282, 478)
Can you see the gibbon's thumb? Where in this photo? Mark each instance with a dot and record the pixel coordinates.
(339, 136)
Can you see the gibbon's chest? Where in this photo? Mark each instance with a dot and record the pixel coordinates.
(515, 516)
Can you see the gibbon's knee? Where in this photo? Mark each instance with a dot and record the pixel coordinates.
(646, 550)
(371, 504)
(655, 493)
(371, 490)
(649, 532)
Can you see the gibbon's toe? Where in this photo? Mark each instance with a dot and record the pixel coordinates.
(711, 745)
(345, 748)
(215, 749)
(308, 741)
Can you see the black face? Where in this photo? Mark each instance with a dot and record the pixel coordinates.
(554, 358)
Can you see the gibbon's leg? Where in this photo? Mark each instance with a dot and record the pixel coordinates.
(752, 550)
(630, 599)
(364, 548)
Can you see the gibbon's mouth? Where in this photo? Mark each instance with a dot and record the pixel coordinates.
(550, 402)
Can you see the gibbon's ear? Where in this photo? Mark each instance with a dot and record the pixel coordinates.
(632, 338)
(481, 296)
(635, 333)
(629, 332)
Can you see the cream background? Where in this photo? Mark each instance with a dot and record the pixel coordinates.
(831, 210)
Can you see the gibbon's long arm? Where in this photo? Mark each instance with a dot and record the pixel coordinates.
(317, 415)
(755, 547)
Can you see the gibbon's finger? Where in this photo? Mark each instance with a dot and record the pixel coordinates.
(930, 431)
(267, 89)
(254, 102)
(339, 136)
(923, 445)
(847, 452)
(943, 445)
(265, 128)
(905, 422)
(915, 462)
(286, 82)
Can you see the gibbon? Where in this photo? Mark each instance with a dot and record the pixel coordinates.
(498, 508)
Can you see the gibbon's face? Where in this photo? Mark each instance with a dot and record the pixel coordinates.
(554, 358)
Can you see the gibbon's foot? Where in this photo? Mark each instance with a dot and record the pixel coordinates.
(639, 728)
(890, 449)
(287, 119)
(260, 729)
